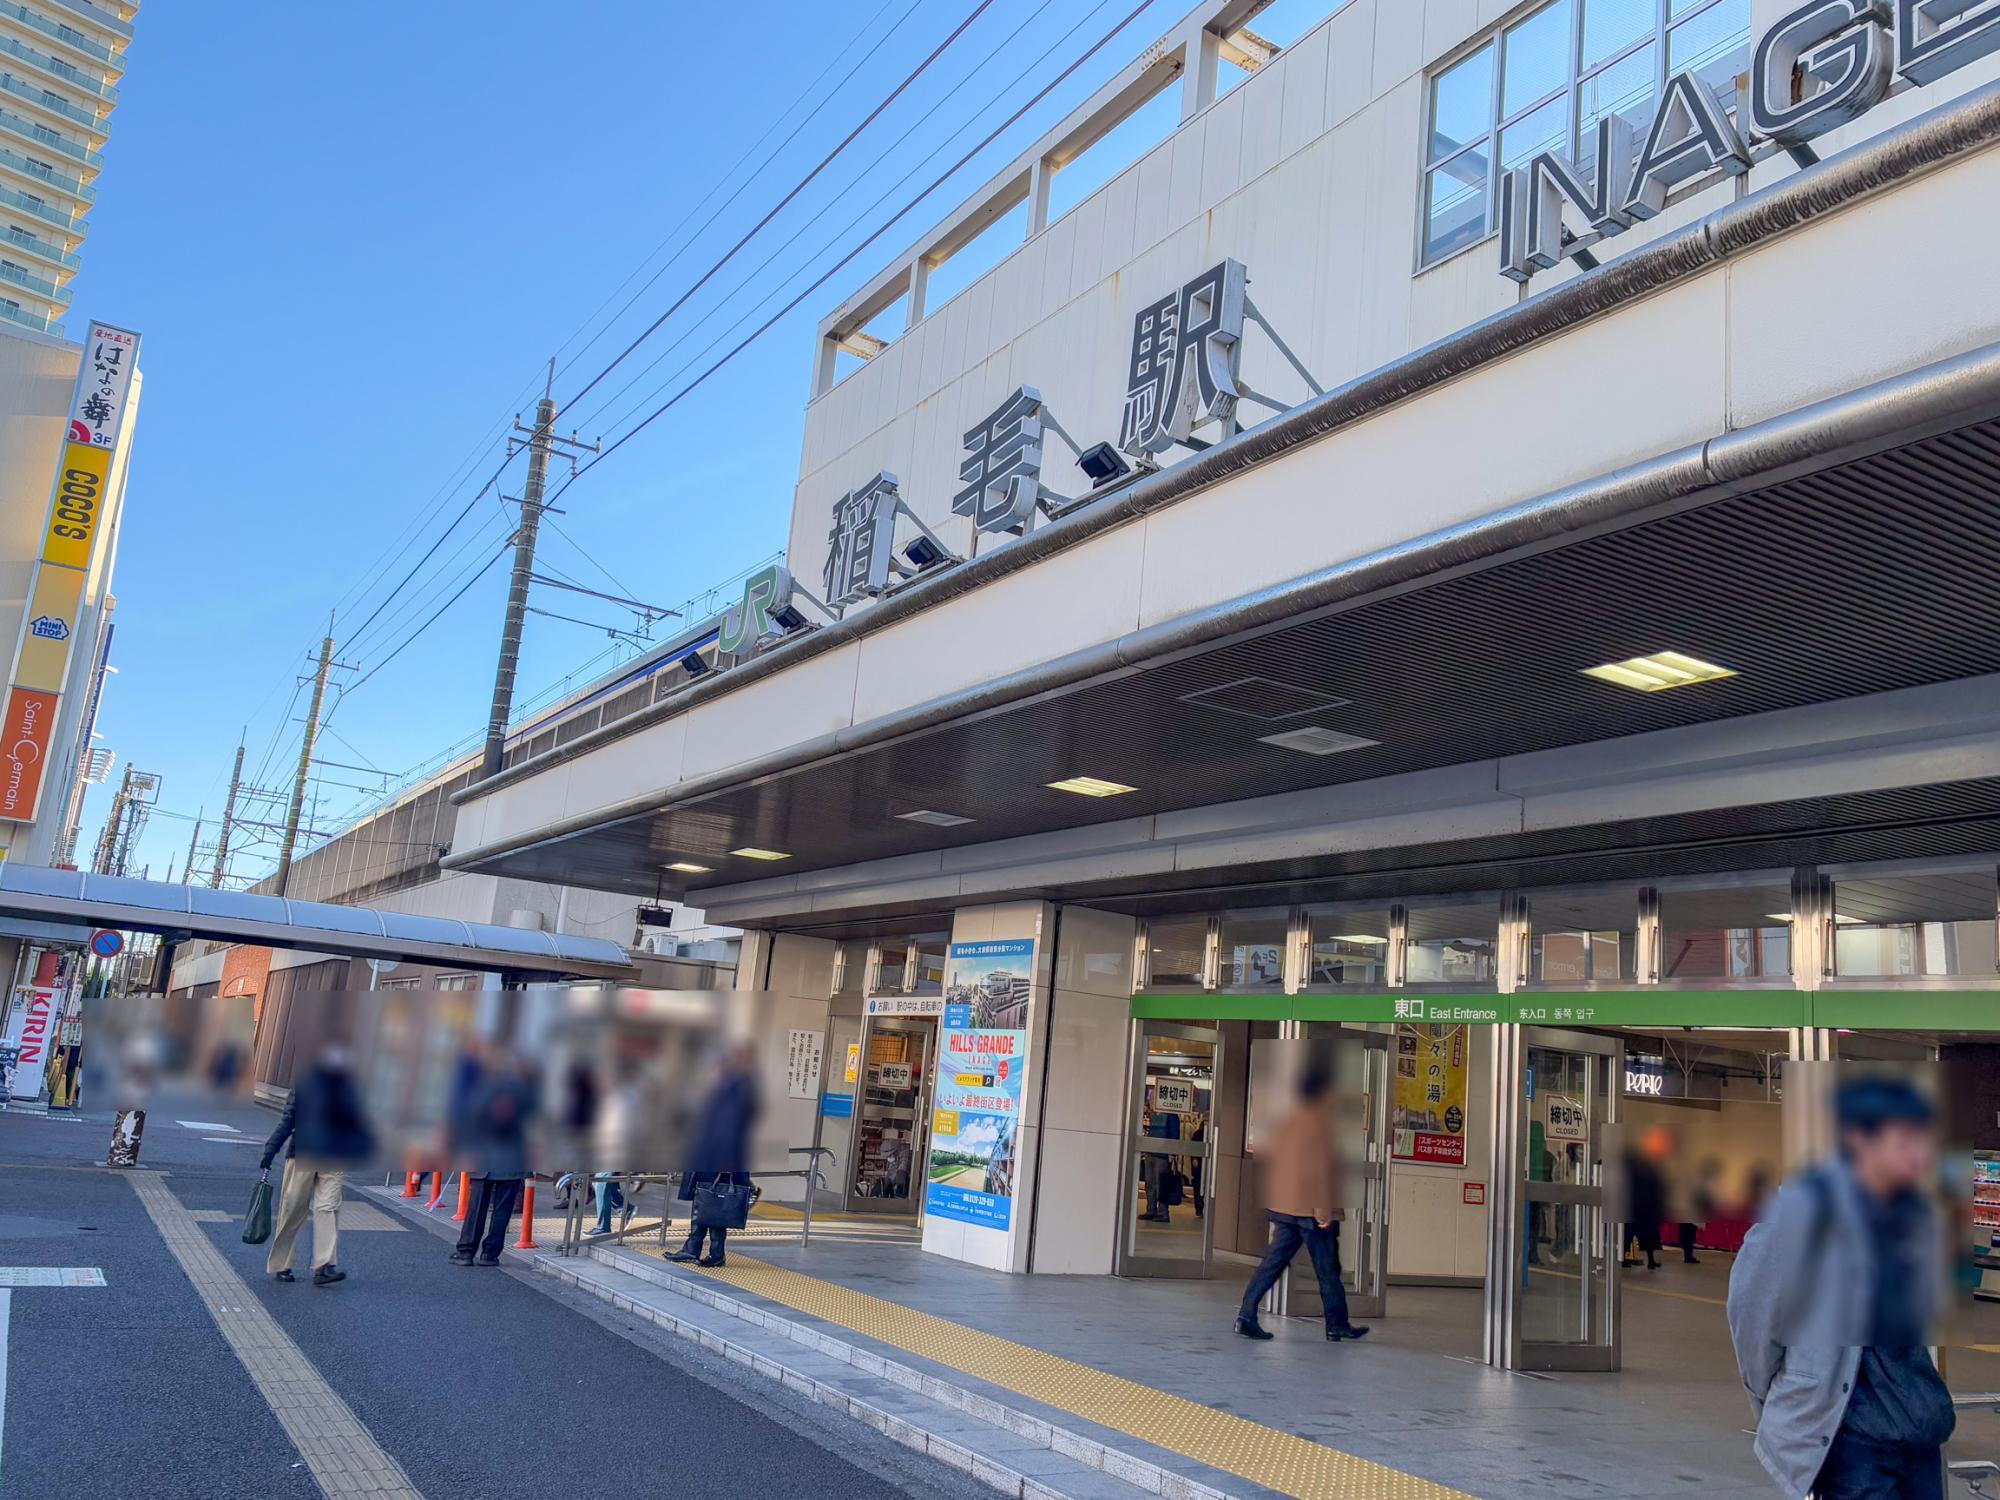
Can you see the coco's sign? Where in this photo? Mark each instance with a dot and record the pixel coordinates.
(1816, 66)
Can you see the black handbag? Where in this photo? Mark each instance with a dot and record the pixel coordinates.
(723, 1203)
(257, 1221)
(1173, 1188)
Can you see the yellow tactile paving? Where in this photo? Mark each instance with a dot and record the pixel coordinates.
(1277, 1460)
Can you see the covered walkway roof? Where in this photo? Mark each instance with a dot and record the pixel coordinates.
(37, 893)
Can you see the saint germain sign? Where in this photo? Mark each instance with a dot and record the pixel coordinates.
(1816, 66)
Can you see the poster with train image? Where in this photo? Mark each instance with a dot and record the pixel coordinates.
(982, 1063)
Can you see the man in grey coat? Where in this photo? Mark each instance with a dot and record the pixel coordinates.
(1831, 1303)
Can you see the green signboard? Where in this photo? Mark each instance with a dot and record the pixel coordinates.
(1856, 1010)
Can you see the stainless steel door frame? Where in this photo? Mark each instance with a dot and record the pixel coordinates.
(1131, 1259)
(1599, 1290)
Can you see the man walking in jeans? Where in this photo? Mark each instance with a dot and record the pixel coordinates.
(1302, 1196)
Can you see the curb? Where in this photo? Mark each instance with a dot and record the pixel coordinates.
(1092, 1453)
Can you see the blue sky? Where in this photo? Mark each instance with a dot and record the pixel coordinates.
(352, 236)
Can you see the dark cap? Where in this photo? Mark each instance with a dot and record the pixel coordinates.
(1868, 1104)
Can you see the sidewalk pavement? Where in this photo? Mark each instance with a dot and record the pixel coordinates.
(1094, 1387)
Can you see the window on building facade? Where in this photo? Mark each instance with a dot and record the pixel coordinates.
(931, 950)
(1175, 947)
(1545, 81)
(1453, 944)
(1726, 931)
(1252, 949)
(853, 969)
(893, 967)
(1347, 946)
(1583, 937)
(1915, 926)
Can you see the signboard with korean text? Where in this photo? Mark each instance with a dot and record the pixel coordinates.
(75, 521)
(982, 1065)
(804, 1051)
(1427, 1100)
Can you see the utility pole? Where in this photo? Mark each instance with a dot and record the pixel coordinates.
(107, 841)
(305, 761)
(540, 443)
(228, 818)
(187, 870)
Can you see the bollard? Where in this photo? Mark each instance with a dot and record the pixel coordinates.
(437, 1190)
(464, 1198)
(527, 1239)
(410, 1180)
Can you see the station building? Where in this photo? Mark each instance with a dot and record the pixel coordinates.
(1526, 614)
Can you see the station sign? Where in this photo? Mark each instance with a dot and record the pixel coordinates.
(1915, 1009)
(1816, 66)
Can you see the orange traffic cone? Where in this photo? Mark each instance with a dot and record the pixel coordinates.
(437, 1190)
(464, 1198)
(410, 1184)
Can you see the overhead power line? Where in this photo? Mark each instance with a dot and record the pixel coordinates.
(847, 259)
(803, 183)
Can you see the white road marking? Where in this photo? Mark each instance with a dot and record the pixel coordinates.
(234, 1140)
(205, 1125)
(26, 1276)
(341, 1454)
(19, 1276)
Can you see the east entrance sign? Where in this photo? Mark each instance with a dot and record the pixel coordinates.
(1816, 66)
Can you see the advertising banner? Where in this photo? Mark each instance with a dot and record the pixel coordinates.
(36, 1006)
(1428, 1098)
(76, 518)
(26, 735)
(982, 1065)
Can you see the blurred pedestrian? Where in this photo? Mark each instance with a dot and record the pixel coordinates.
(466, 1075)
(1302, 1183)
(324, 1133)
(722, 1146)
(1646, 1192)
(1831, 1303)
(494, 1139)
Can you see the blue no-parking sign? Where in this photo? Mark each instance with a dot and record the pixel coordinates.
(106, 944)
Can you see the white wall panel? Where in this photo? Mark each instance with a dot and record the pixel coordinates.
(1785, 302)
(1088, 593)
(1350, 57)
(625, 767)
(814, 698)
(1304, 92)
(1655, 382)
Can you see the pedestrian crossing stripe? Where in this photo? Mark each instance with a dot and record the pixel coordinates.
(20, 1276)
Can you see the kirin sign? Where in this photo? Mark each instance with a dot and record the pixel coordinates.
(1815, 67)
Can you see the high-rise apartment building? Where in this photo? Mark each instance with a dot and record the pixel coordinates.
(59, 65)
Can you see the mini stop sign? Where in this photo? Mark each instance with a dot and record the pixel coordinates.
(106, 943)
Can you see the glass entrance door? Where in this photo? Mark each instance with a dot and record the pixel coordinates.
(1165, 1227)
(892, 1115)
(1360, 1063)
(1567, 1315)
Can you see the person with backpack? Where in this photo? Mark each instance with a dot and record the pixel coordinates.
(324, 1134)
(1831, 1303)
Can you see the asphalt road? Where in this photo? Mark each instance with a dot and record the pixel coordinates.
(481, 1383)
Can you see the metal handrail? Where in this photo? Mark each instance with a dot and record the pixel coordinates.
(69, 36)
(573, 1240)
(86, 117)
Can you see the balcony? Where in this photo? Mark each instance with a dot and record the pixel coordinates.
(43, 137)
(57, 68)
(21, 276)
(68, 36)
(21, 88)
(48, 213)
(18, 241)
(29, 167)
(13, 312)
(96, 15)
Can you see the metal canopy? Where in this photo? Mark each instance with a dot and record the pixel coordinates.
(1876, 574)
(37, 892)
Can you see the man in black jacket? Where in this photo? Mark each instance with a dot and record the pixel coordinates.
(494, 1141)
(329, 1134)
